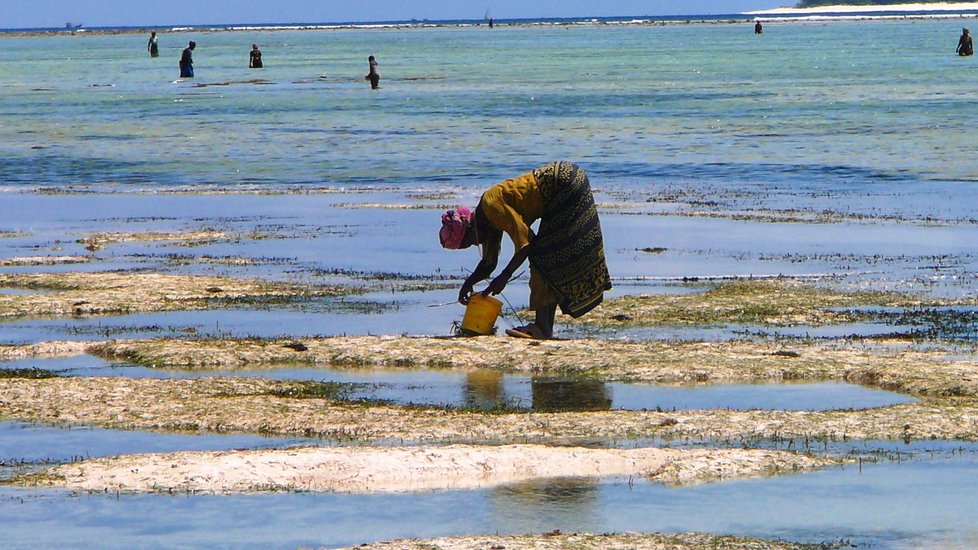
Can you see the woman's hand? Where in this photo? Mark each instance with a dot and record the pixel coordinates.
(498, 284)
(464, 293)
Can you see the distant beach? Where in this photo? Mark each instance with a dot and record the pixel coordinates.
(846, 8)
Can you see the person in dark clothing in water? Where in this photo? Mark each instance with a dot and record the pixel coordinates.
(373, 76)
(966, 45)
(153, 46)
(187, 61)
(254, 61)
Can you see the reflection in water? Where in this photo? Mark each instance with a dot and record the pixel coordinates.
(567, 501)
(487, 390)
(555, 395)
(484, 390)
(492, 390)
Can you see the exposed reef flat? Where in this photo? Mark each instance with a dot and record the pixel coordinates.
(284, 408)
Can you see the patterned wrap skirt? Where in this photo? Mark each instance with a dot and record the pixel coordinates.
(568, 251)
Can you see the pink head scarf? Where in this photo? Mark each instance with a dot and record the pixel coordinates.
(454, 225)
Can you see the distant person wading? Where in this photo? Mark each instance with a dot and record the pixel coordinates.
(153, 46)
(966, 45)
(373, 76)
(187, 61)
(254, 59)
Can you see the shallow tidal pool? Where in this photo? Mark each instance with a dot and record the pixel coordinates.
(487, 390)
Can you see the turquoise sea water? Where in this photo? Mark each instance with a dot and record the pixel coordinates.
(819, 106)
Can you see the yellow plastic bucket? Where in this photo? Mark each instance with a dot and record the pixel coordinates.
(480, 315)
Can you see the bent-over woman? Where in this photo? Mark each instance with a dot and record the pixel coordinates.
(567, 261)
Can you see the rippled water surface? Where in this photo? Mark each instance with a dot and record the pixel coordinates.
(851, 104)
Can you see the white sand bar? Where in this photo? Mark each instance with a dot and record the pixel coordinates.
(43, 349)
(400, 469)
(931, 7)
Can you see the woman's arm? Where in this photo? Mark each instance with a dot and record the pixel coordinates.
(481, 272)
(499, 283)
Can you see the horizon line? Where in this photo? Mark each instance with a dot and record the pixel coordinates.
(503, 20)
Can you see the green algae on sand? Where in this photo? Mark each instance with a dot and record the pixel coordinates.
(32, 261)
(897, 368)
(97, 241)
(780, 302)
(105, 293)
(262, 406)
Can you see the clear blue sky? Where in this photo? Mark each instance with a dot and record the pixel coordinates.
(107, 13)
